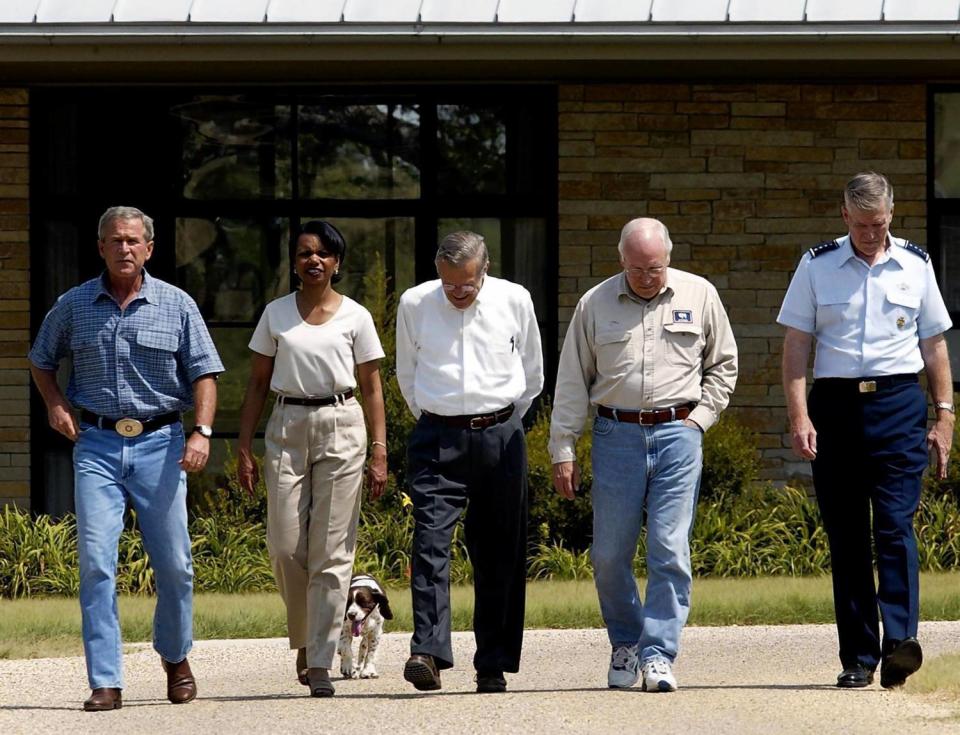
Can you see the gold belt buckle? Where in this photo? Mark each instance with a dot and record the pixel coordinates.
(868, 386)
(129, 427)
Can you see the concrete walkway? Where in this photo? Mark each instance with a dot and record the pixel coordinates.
(742, 680)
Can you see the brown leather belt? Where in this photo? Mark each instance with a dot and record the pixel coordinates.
(127, 426)
(325, 401)
(647, 418)
(481, 421)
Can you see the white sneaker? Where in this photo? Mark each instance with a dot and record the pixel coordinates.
(624, 667)
(658, 676)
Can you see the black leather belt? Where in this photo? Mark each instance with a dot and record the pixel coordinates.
(480, 421)
(129, 427)
(309, 401)
(867, 385)
(647, 418)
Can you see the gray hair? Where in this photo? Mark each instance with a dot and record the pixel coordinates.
(868, 192)
(462, 247)
(645, 223)
(125, 213)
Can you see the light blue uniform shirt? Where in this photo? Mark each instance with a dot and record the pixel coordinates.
(867, 320)
(140, 362)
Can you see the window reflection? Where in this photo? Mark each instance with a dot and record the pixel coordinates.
(359, 151)
(390, 238)
(232, 267)
(472, 147)
(234, 148)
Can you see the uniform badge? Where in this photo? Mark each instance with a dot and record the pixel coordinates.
(901, 321)
(682, 316)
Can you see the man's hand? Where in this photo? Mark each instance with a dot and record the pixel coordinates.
(804, 438)
(248, 474)
(62, 420)
(939, 441)
(195, 452)
(566, 479)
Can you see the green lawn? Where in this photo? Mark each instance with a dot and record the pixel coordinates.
(51, 627)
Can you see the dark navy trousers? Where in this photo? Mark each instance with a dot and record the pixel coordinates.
(871, 454)
(484, 471)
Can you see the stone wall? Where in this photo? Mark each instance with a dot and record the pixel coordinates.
(14, 299)
(746, 177)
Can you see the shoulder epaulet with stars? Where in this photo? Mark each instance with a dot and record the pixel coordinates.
(824, 247)
(917, 250)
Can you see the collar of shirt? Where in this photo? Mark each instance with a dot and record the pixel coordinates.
(147, 292)
(483, 295)
(624, 290)
(891, 252)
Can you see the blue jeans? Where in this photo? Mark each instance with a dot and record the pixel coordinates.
(636, 469)
(110, 471)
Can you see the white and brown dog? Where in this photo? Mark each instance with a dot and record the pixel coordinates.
(367, 608)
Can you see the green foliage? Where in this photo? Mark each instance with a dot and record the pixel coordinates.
(731, 462)
(951, 485)
(226, 499)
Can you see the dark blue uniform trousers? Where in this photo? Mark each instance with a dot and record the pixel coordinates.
(871, 454)
(484, 470)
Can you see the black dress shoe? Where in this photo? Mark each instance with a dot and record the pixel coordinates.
(854, 677)
(904, 659)
(103, 699)
(491, 682)
(421, 671)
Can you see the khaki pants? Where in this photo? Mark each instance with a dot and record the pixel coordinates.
(313, 469)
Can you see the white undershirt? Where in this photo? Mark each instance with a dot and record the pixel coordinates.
(315, 359)
(469, 361)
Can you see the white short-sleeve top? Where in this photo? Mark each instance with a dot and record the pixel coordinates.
(315, 359)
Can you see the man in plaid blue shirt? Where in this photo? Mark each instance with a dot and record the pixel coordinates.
(141, 356)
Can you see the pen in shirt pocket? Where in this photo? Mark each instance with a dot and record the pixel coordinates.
(513, 344)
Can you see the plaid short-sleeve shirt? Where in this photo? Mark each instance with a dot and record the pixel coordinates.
(139, 362)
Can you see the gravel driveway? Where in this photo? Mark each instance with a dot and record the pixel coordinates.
(756, 679)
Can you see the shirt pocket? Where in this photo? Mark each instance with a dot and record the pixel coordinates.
(835, 305)
(901, 310)
(165, 341)
(683, 344)
(614, 353)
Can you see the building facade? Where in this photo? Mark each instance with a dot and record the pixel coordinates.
(544, 125)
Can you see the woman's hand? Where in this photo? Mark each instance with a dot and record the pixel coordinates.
(377, 472)
(248, 473)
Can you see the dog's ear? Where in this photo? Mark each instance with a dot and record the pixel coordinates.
(384, 604)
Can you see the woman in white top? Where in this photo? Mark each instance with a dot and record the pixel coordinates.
(309, 348)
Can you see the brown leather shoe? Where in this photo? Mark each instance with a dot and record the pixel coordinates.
(181, 686)
(421, 671)
(302, 667)
(103, 699)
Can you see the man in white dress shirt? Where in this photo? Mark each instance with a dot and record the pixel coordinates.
(469, 365)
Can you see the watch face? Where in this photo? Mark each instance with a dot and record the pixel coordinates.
(203, 430)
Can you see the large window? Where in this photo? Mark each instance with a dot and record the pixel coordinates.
(229, 175)
(943, 199)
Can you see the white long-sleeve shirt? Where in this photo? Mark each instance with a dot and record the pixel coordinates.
(456, 362)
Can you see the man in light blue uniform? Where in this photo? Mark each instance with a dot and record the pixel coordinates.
(872, 303)
(141, 356)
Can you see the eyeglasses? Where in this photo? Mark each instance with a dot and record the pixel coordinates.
(654, 272)
(466, 288)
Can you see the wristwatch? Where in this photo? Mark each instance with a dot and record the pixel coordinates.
(203, 430)
(945, 406)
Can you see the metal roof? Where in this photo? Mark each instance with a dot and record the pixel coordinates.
(497, 13)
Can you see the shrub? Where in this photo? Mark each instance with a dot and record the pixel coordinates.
(731, 462)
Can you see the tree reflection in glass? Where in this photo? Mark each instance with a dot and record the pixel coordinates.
(359, 151)
(472, 148)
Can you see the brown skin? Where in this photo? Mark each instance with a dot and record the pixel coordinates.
(317, 302)
(125, 249)
(644, 261)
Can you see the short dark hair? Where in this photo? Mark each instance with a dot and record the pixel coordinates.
(330, 237)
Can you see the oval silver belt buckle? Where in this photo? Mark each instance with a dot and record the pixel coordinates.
(129, 427)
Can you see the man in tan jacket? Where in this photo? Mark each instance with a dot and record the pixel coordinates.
(652, 351)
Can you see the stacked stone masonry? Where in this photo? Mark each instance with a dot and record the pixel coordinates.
(14, 299)
(746, 177)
